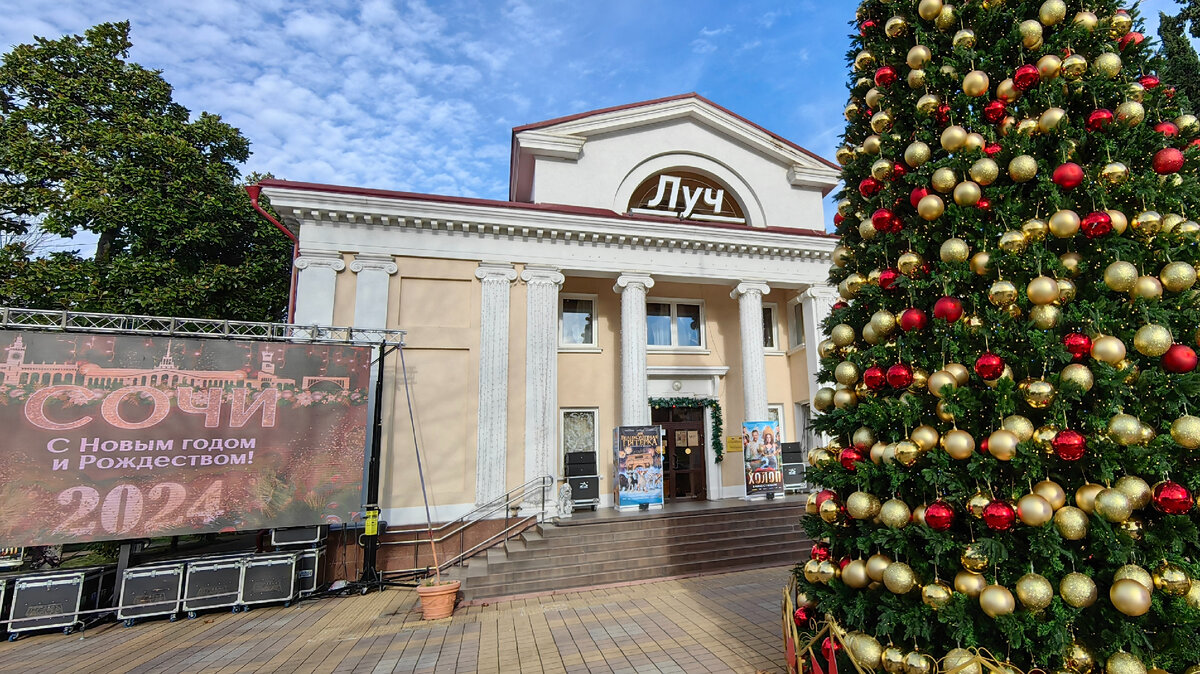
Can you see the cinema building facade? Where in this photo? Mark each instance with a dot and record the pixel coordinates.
(660, 262)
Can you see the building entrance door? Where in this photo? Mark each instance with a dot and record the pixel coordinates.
(684, 464)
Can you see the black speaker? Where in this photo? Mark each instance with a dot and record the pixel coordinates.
(793, 475)
(299, 535)
(583, 488)
(580, 469)
(581, 457)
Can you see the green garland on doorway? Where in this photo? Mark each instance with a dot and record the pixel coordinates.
(718, 444)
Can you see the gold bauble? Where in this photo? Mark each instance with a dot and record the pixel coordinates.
(1172, 221)
(936, 594)
(884, 321)
(1052, 11)
(958, 444)
(899, 578)
(964, 38)
(826, 348)
(918, 56)
(1185, 431)
(942, 412)
(877, 452)
(846, 373)
(1066, 290)
(872, 145)
(1152, 340)
(1177, 276)
(1147, 223)
(1147, 288)
(975, 84)
(973, 558)
(907, 453)
(1188, 124)
(1086, 19)
(1051, 119)
(1020, 426)
(845, 399)
(1135, 573)
(985, 171)
(1108, 349)
(866, 649)
(1113, 505)
(1077, 590)
(1136, 489)
(1049, 66)
(873, 98)
(895, 26)
(1044, 316)
(916, 78)
(967, 193)
(895, 514)
(929, 9)
(1026, 127)
(862, 506)
(1042, 290)
(876, 565)
(1034, 591)
(855, 574)
(977, 503)
(1013, 310)
(810, 570)
(919, 663)
(1129, 597)
(810, 505)
(946, 19)
(1078, 658)
(931, 207)
(1119, 25)
(830, 511)
(1034, 510)
(1053, 492)
(845, 154)
(969, 583)
(1120, 276)
(1043, 437)
(944, 180)
(954, 250)
(1071, 522)
(1064, 224)
(916, 154)
(939, 380)
(1115, 173)
(1007, 373)
(866, 229)
(981, 262)
(827, 571)
(1131, 113)
(925, 437)
(1002, 444)
(927, 104)
(1070, 262)
(823, 401)
(892, 660)
(1193, 595)
(841, 255)
(1035, 229)
(909, 263)
(1074, 66)
(881, 169)
(1107, 64)
(1171, 580)
(1013, 241)
(864, 60)
(881, 121)
(959, 371)
(1124, 663)
(920, 379)
(1007, 91)
(1022, 168)
(1031, 34)
(842, 334)
(1002, 293)
(997, 600)
(1085, 497)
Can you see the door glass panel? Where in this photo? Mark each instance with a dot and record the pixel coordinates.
(683, 485)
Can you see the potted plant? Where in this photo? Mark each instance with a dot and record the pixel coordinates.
(438, 597)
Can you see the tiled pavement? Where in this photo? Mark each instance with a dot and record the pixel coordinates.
(716, 623)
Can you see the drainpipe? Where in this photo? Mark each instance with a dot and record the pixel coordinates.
(253, 191)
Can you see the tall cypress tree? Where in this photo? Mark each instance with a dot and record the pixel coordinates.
(1181, 66)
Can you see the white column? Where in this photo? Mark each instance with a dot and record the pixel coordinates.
(754, 373)
(817, 301)
(635, 405)
(315, 286)
(371, 289)
(491, 442)
(541, 373)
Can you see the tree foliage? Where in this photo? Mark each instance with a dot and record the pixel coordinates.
(91, 143)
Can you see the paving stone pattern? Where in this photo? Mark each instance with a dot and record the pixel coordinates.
(715, 623)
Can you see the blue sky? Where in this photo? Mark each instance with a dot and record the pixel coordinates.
(421, 95)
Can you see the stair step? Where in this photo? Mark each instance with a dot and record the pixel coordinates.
(514, 545)
(632, 522)
(533, 539)
(496, 555)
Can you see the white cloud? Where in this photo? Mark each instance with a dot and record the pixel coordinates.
(702, 46)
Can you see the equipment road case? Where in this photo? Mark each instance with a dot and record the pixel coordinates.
(268, 579)
(299, 535)
(213, 583)
(56, 599)
(150, 590)
(309, 570)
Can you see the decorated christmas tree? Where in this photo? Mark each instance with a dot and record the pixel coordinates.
(1010, 406)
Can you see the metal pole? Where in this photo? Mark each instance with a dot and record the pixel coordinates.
(371, 532)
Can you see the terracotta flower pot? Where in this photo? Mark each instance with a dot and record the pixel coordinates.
(437, 601)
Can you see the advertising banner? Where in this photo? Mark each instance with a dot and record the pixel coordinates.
(760, 453)
(639, 457)
(114, 436)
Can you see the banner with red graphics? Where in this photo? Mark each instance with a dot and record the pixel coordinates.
(106, 437)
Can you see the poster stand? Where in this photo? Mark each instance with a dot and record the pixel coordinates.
(761, 457)
(638, 468)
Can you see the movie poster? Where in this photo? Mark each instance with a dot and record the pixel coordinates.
(639, 457)
(111, 437)
(761, 454)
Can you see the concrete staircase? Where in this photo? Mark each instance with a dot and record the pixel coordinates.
(588, 551)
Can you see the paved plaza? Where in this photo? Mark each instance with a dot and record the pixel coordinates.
(717, 623)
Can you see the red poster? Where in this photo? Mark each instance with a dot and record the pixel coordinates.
(114, 436)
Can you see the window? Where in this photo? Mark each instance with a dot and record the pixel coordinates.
(576, 321)
(775, 416)
(769, 342)
(796, 327)
(678, 324)
(577, 430)
(804, 429)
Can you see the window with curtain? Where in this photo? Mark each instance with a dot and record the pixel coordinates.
(678, 324)
(658, 324)
(576, 322)
(768, 312)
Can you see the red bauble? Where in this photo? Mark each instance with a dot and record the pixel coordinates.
(1195, 143)
(843, 562)
(942, 114)
(899, 376)
(983, 447)
(887, 278)
(824, 495)
(1172, 498)
(1099, 119)
(917, 195)
(1167, 160)
(820, 552)
(885, 76)
(939, 516)
(1130, 38)
(948, 309)
(838, 219)
(898, 171)
(1149, 81)
(1069, 445)
(989, 366)
(994, 111)
(913, 318)
(1025, 77)
(865, 26)
(829, 647)
(992, 149)
(984, 204)
(1068, 176)
(839, 305)
(1167, 129)
(881, 219)
(869, 187)
(1179, 359)
(802, 617)
(1077, 344)
(1096, 223)
(874, 378)
(999, 515)
(848, 457)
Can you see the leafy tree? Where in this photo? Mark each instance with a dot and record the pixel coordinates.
(93, 143)
(1181, 66)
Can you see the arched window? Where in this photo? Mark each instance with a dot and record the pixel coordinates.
(686, 195)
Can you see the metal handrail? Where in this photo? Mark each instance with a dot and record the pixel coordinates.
(459, 526)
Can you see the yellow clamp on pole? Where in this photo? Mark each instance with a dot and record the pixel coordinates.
(371, 522)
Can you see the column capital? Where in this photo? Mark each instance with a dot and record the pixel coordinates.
(320, 260)
(546, 275)
(373, 262)
(748, 287)
(496, 271)
(624, 280)
(821, 292)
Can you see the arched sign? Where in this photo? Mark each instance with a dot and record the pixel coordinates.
(686, 195)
